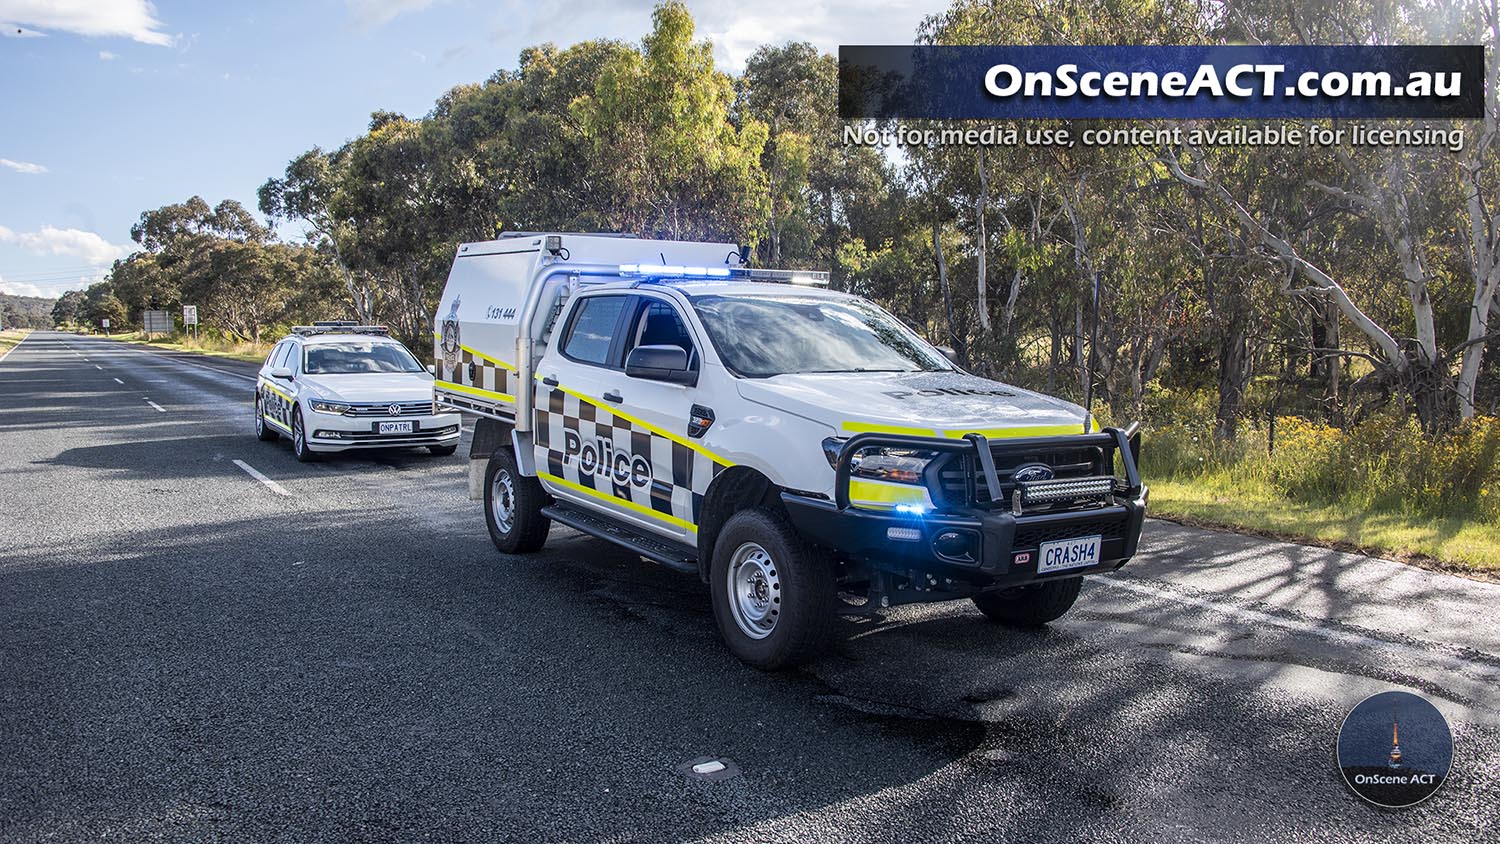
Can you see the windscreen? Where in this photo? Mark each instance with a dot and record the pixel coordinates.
(347, 358)
(761, 336)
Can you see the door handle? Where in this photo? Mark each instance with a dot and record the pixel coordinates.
(614, 396)
(550, 381)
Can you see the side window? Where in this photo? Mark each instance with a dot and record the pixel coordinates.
(592, 329)
(657, 323)
(271, 356)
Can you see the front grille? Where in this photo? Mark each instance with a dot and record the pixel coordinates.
(962, 482)
(1031, 537)
(404, 408)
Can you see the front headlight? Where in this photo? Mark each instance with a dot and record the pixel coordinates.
(881, 463)
(332, 407)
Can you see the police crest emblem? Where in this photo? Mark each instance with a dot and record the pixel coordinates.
(449, 341)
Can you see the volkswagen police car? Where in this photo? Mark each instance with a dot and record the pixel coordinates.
(335, 386)
(786, 443)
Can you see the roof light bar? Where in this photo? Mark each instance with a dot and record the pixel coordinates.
(666, 271)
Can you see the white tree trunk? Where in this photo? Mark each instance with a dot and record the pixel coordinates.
(980, 207)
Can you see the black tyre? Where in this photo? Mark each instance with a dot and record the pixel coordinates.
(443, 450)
(513, 506)
(1030, 606)
(299, 439)
(773, 597)
(263, 432)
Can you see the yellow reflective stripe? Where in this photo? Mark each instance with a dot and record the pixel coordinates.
(478, 354)
(866, 493)
(272, 388)
(438, 335)
(644, 424)
(624, 502)
(276, 423)
(874, 428)
(1024, 431)
(476, 391)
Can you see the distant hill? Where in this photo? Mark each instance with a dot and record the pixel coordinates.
(25, 311)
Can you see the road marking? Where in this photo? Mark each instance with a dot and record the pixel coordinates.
(13, 348)
(98, 367)
(250, 470)
(165, 357)
(159, 408)
(118, 381)
(1167, 593)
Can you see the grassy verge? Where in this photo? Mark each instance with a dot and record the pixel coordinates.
(206, 345)
(1456, 544)
(9, 339)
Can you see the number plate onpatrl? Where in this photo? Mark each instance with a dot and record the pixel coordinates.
(1068, 554)
(395, 427)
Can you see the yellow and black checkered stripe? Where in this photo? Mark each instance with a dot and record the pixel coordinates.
(480, 376)
(680, 469)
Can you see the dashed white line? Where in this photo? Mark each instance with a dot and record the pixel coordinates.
(118, 381)
(159, 408)
(251, 471)
(98, 367)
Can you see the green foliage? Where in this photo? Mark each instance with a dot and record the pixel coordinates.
(1387, 464)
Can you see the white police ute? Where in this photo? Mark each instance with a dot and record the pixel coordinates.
(784, 442)
(335, 386)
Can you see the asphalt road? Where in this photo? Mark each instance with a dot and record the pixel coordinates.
(188, 654)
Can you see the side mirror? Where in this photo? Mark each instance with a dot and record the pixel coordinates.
(282, 372)
(432, 369)
(950, 354)
(660, 363)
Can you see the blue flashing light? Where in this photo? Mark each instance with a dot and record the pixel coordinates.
(911, 509)
(673, 271)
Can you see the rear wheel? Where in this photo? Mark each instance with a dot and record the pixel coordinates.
(773, 597)
(299, 439)
(263, 431)
(513, 506)
(1030, 606)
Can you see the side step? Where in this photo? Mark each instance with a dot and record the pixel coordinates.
(673, 555)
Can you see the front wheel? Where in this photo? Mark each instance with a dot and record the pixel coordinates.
(773, 597)
(300, 448)
(1030, 606)
(513, 506)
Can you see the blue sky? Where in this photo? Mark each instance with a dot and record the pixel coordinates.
(116, 106)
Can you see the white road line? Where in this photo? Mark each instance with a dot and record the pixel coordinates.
(118, 381)
(1164, 592)
(98, 367)
(13, 348)
(171, 359)
(250, 470)
(159, 408)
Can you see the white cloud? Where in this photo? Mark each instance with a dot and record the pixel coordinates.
(50, 240)
(107, 56)
(133, 19)
(18, 288)
(376, 12)
(23, 167)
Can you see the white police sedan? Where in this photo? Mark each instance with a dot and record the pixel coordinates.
(335, 386)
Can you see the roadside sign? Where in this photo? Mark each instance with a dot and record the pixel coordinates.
(105, 323)
(189, 314)
(156, 322)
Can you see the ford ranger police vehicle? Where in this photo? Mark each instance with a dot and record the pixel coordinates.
(788, 444)
(334, 386)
